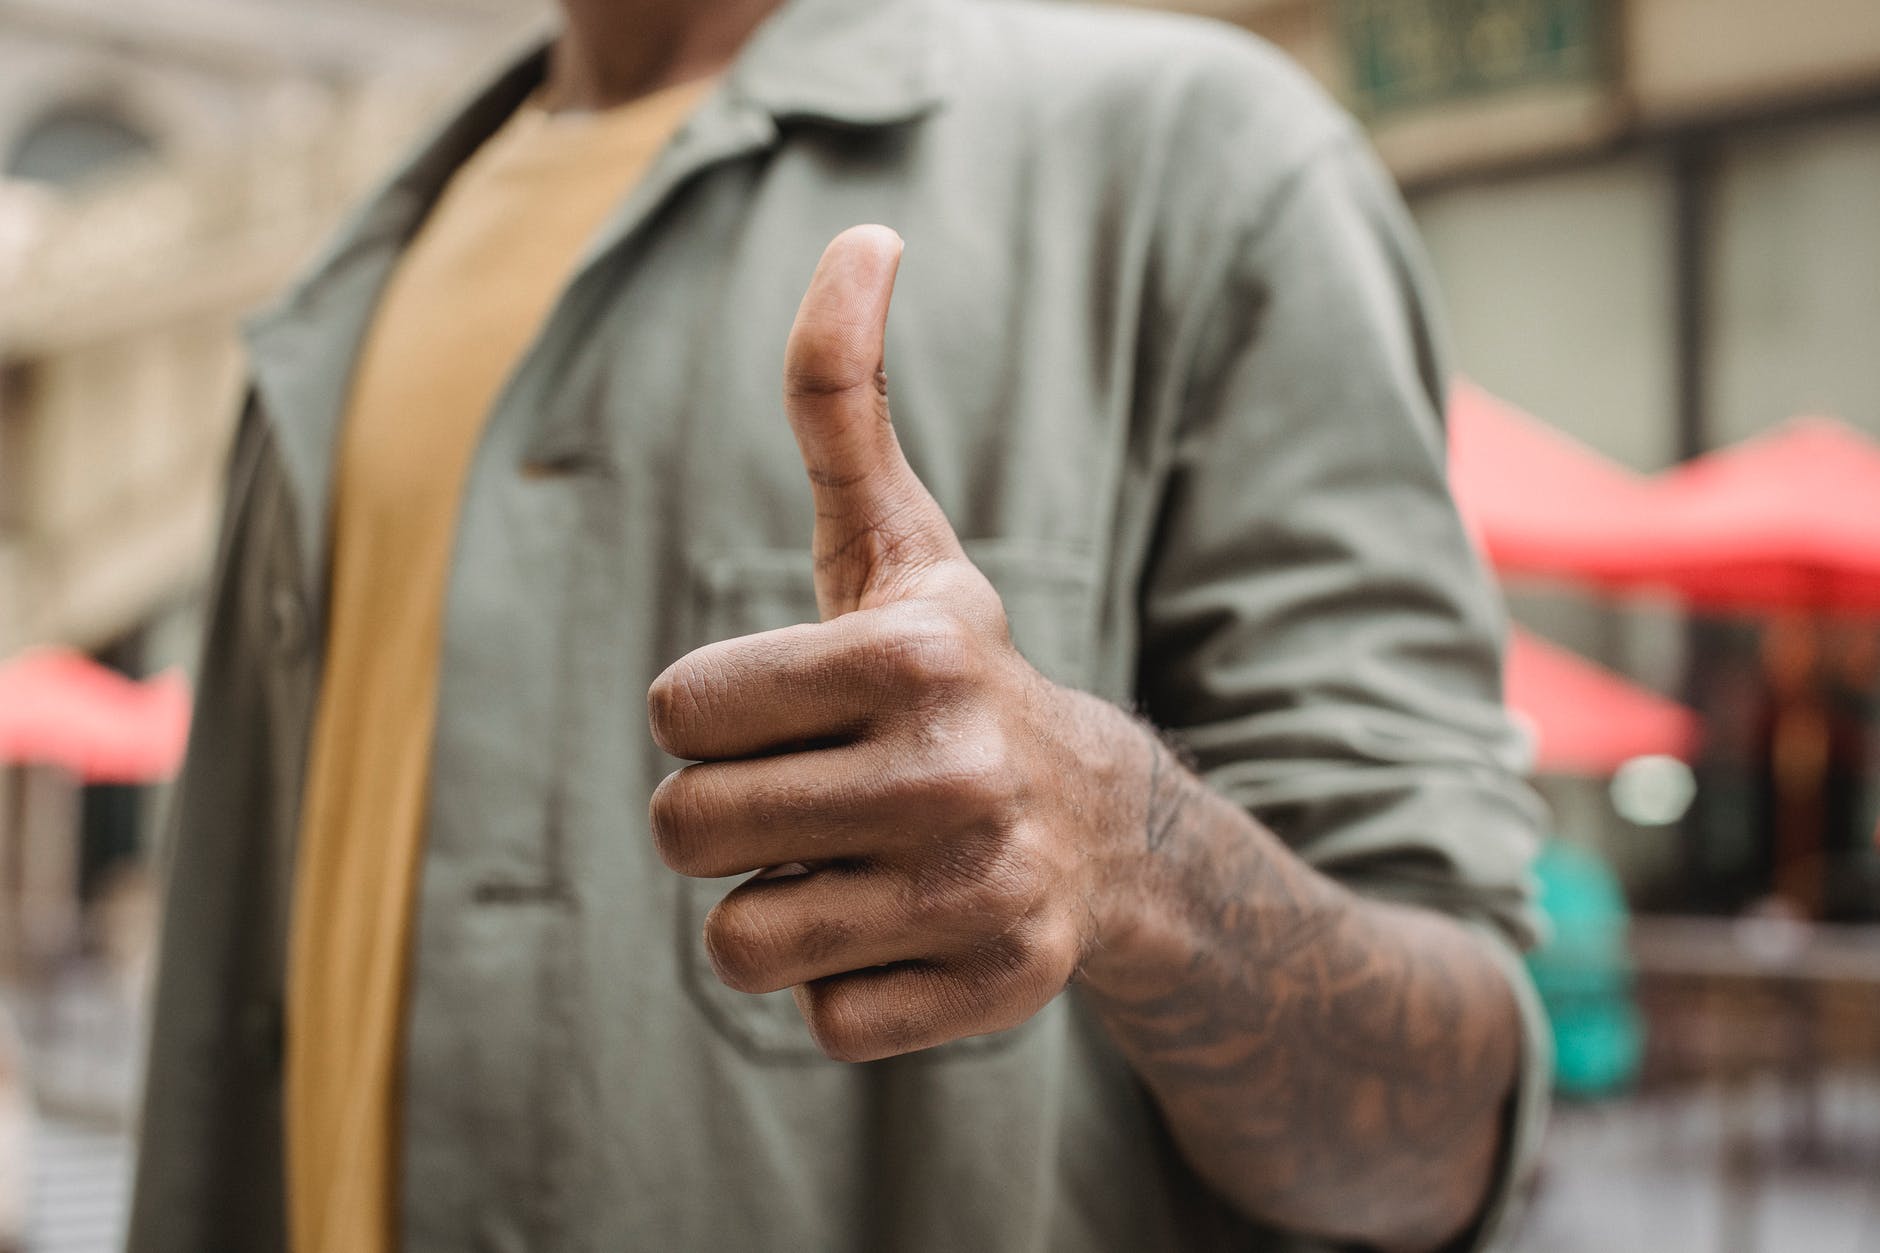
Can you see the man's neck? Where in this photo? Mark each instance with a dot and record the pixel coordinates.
(613, 51)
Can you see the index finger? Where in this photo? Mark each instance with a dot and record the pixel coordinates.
(798, 685)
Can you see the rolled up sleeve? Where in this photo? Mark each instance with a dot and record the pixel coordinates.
(1317, 631)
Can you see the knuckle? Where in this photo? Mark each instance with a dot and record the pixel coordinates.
(673, 815)
(963, 770)
(928, 648)
(1018, 972)
(862, 1019)
(739, 948)
(980, 793)
(825, 938)
(838, 1041)
(828, 360)
(990, 778)
(996, 962)
(673, 704)
(980, 888)
(1050, 950)
(1007, 982)
(830, 1013)
(1007, 884)
(1012, 954)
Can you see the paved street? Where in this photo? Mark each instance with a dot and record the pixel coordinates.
(1655, 1176)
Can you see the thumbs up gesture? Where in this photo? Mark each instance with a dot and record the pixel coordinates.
(935, 823)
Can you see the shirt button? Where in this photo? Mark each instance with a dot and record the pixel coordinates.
(287, 619)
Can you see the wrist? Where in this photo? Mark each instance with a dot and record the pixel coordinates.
(1143, 913)
(1184, 866)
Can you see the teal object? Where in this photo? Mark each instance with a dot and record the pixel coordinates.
(1584, 972)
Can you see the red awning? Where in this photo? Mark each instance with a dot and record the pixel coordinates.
(1586, 719)
(1541, 503)
(1789, 520)
(1537, 501)
(58, 707)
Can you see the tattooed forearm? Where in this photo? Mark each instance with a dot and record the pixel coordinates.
(1331, 1064)
(1169, 797)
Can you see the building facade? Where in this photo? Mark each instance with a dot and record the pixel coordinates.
(167, 164)
(164, 166)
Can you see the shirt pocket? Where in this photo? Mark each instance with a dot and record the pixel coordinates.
(1048, 591)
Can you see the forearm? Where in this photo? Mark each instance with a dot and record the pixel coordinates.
(1330, 1064)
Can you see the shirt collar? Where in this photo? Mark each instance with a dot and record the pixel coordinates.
(848, 63)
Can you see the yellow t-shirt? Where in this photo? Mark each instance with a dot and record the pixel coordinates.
(469, 295)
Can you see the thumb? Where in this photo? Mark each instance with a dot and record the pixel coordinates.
(877, 527)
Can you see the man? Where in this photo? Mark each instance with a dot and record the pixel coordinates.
(1006, 970)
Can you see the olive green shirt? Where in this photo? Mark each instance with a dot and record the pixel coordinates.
(1162, 350)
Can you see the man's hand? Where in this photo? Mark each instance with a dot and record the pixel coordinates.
(946, 838)
(901, 752)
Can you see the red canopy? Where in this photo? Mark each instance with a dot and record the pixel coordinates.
(1537, 501)
(59, 707)
(1586, 719)
(1789, 520)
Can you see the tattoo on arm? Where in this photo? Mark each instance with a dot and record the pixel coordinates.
(1169, 799)
(1331, 1063)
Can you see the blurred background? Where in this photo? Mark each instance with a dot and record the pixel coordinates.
(1657, 227)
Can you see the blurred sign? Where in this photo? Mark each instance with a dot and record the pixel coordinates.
(1406, 53)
